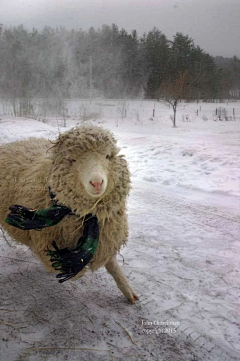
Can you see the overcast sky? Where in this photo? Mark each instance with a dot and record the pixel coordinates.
(213, 24)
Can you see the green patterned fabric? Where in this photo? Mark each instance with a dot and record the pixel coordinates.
(68, 261)
(28, 218)
(71, 261)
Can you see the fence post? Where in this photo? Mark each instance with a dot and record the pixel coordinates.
(153, 112)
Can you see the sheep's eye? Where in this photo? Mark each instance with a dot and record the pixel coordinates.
(72, 160)
(107, 156)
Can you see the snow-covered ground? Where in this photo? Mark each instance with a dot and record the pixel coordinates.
(182, 257)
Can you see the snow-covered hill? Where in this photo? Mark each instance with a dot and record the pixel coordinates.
(182, 257)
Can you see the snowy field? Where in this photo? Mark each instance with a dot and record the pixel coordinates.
(182, 256)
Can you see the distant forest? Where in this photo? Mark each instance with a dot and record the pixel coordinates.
(110, 63)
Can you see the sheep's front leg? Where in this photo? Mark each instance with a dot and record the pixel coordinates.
(121, 280)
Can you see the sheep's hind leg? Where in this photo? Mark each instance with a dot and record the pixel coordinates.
(121, 280)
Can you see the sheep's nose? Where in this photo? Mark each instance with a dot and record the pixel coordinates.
(97, 185)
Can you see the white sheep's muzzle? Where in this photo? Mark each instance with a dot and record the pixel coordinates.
(93, 173)
(95, 184)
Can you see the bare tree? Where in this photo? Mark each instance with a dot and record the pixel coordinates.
(173, 91)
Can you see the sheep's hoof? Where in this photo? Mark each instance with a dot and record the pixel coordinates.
(135, 297)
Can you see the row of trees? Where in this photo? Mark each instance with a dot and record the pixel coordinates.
(56, 63)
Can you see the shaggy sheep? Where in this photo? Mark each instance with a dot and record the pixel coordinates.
(81, 167)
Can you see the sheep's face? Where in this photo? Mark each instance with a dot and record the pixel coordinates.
(92, 171)
(84, 160)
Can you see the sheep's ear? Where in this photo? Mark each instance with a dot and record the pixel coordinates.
(118, 150)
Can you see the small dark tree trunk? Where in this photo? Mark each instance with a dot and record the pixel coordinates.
(174, 114)
(174, 118)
